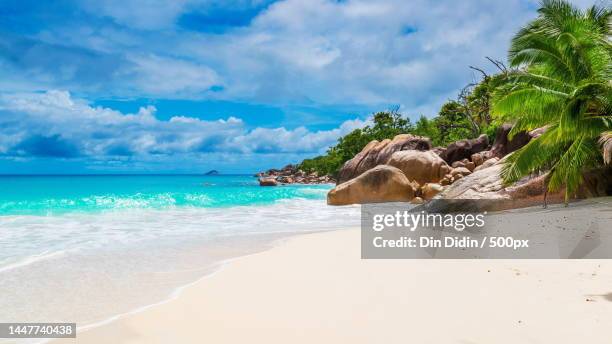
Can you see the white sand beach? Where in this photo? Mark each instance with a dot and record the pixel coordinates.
(314, 288)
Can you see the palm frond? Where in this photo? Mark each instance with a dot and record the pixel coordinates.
(564, 62)
(568, 170)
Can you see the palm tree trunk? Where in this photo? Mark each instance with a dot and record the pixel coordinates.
(546, 181)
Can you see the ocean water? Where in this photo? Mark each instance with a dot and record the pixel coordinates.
(86, 248)
(52, 195)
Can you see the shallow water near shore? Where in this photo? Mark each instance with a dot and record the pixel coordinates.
(64, 257)
(60, 194)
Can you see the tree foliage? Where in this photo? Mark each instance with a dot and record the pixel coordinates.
(427, 127)
(386, 124)
(452, 123)
(560, 79)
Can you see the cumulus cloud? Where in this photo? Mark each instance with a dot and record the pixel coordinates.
(55, 124)
(321, 51)
(157, 75)
(299, 140)
(360, 52)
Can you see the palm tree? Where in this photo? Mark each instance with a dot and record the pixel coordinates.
(560, 79)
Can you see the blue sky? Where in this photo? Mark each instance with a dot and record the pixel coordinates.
(184, 86)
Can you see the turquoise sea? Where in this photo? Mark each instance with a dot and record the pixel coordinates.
(69, 244)
(50, 195)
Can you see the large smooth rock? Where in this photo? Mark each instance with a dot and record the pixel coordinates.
(463, 149)
(378, 153)
(382, 183)
(422, 167)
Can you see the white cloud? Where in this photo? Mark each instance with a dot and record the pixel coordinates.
(158, 75)
(299, 140)
(355, 52)
(55, 117)
(361, 52)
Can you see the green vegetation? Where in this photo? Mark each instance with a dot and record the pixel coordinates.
(386, 124)
(561, 79)
(452, 124)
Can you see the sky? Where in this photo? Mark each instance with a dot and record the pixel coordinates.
(186, 86)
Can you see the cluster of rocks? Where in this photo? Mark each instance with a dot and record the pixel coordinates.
(290, 174)
(407, 168)
(486, 184)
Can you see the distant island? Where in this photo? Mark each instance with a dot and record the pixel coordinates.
(212, 173)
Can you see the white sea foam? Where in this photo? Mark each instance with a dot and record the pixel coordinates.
(6, 265)
(27, 237)
(137, 256)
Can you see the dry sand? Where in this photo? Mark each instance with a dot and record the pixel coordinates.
(315, 289)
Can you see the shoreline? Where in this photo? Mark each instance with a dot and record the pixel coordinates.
(267, 241)
(117, 262)
(213, 269)
(316, 283)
